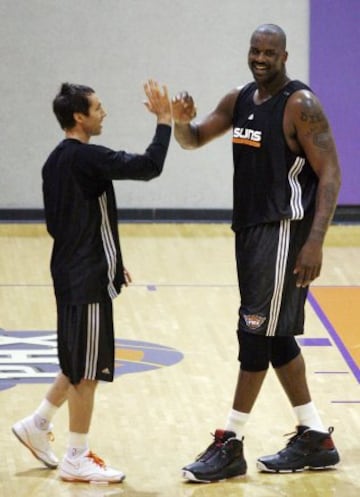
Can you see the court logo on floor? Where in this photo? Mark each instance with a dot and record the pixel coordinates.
(29, 357)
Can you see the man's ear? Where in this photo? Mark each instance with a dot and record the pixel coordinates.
(78, 117)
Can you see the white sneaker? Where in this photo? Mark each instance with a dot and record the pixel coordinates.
(37, 441)
(89, 468)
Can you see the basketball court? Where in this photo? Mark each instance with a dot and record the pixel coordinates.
(176, 365)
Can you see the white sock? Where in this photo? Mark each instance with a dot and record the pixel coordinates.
(236, 422)
(307, 415)
(44, 414)
(78, 444)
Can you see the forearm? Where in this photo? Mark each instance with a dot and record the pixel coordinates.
(122, 165)
(158, 149)
(186, 134)
(326, 199)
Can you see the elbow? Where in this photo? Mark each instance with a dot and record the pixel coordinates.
(154, 172)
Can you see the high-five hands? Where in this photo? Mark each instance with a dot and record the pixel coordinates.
(158, 101)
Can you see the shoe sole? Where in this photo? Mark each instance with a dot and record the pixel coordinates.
(261, 467)
(187, 475)
(97, 482)
(47, 464)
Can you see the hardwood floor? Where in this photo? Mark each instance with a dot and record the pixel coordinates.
(176, 352)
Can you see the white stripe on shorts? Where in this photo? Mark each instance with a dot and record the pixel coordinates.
(109, 244)
(280, 271)
(92, 345)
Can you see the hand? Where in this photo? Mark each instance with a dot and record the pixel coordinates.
(127, 277)
(183, 108)
(158, 101)
(308, 263)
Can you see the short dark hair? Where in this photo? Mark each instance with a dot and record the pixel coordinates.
(71, 98)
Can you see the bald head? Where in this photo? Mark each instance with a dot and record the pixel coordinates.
(272, 29)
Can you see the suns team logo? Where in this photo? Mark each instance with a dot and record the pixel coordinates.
(31, 357)
(247, 136)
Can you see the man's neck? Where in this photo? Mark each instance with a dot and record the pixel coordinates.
(267, 91)
(77, 135)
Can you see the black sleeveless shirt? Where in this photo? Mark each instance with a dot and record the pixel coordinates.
(271, 182)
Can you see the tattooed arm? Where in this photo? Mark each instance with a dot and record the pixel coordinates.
(308, 133)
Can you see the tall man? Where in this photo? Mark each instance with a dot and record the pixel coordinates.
(286, 182)
(86, 267)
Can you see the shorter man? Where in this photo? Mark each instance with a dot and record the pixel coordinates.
(86, 267)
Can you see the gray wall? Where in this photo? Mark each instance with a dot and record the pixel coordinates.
(114, 46)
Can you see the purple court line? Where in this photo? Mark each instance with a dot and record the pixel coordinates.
(345, 401)
(318, 342)
(314, 342)
(331, 372)
(332, 332)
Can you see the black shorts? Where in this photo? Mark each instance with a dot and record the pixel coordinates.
(86, 345)
(271, 304)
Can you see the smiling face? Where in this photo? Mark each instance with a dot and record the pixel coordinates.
(267, 56)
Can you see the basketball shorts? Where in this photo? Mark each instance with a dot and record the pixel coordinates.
(86, 345)
(271, 304)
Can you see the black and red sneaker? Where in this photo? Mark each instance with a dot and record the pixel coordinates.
(223, 459)
(306, 449)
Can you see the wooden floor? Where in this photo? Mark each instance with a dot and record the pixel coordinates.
(176, 365)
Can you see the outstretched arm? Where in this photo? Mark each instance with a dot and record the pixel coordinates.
(193, 134)
(313, 135)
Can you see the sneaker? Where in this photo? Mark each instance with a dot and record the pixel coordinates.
(306, 449)
(89, 468)
(221, 460)
(37, 441)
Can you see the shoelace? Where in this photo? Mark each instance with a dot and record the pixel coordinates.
(217, 444)
(96, 459)
(293, 436)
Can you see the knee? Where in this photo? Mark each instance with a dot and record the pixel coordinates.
(253, 352)
(283, 351)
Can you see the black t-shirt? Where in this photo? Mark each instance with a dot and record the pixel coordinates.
(81, 213)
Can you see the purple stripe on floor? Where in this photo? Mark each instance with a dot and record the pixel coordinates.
(314, 342)
(332, 332)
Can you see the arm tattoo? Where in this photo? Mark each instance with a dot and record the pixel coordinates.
(315, 117)
(321, 139)
(318, 125)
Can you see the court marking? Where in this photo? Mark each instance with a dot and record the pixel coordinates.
(314, 298)
(337, 335)
(28, 357)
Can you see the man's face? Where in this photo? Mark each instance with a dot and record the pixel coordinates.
(266, 57)
(92, 123)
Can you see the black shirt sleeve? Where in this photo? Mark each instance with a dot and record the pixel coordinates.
(101, 163)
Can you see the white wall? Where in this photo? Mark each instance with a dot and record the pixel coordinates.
(114, 46)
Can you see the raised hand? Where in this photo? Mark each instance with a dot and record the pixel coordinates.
(183, 108)
(158, 101)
